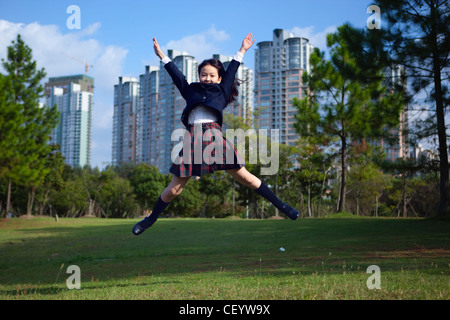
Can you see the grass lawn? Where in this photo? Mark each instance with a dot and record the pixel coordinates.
(216, 259)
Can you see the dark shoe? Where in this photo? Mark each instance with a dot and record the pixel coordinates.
(141, 226)
(290, 212)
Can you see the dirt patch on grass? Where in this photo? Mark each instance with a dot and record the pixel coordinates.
(415, 252)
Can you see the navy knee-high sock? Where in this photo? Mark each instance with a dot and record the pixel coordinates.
(264, 191)
(159, 207)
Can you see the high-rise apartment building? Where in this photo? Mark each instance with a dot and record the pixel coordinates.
(73, 96)
(397, 146)
(126, 97)
(279, 66)
(146, 112)
(243, 105)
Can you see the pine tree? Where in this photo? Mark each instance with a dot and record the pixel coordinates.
(417, 35)
(347, 100)
(28, 127)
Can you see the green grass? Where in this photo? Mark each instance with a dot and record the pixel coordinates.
(219, 259)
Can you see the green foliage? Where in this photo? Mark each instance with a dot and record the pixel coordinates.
(90, 192)
(25, 126)
(10, 121)
(366, 185)
(188, 203)
(344, 104)
(313, 174)
(147, 183)
(416, 36)
(216, 191)
(115, 195)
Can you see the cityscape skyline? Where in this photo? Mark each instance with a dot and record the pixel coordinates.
(115, 38)
(147, 111)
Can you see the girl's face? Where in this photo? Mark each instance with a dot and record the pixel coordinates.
(209, 74)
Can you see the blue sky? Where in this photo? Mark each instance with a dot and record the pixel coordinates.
(116, 37)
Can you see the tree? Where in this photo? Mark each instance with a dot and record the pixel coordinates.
(188, 203)
(10, 120)
(215, 187)
(147, 183)
(366, 185)
(315, 166)
(346, 100)
(115, 196)
(417, 35)
(23, 157)
(70, 200)
(53, 180)
(405, 183)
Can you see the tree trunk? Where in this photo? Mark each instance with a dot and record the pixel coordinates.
(91, 207)
(310, 214)
(276, 193)
(376, 206)
(357, 205)
(205, 204)
(234, 200)
(30, 200)
(262, 208)
(405, 213)
(341, 205)
(8, 199)
(440, 114)
(44, 203)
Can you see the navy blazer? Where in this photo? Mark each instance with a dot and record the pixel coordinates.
(214, 96)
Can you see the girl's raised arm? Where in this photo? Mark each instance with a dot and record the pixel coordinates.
(246, 43)
(157, 49)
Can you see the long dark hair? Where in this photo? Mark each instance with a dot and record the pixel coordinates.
(221, 70)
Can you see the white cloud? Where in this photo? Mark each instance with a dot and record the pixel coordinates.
(52, 49)
(108, 67)
(65, 53)
(317, 39)
(201, 45)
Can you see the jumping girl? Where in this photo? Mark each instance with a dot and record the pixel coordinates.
(205, 101)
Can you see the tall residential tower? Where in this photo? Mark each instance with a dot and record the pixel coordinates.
(279, 66)
(126, 97)
(73, 96)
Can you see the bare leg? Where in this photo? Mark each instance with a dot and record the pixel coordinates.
(174, 188)
(246, 178)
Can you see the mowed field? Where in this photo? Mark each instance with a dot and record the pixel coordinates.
(225, 259)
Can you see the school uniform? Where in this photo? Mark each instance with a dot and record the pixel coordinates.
(203, 119)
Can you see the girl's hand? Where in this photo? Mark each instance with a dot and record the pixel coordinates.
(247, 43)
(157, 49)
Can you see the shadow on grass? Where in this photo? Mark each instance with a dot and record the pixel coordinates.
(57, 289)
